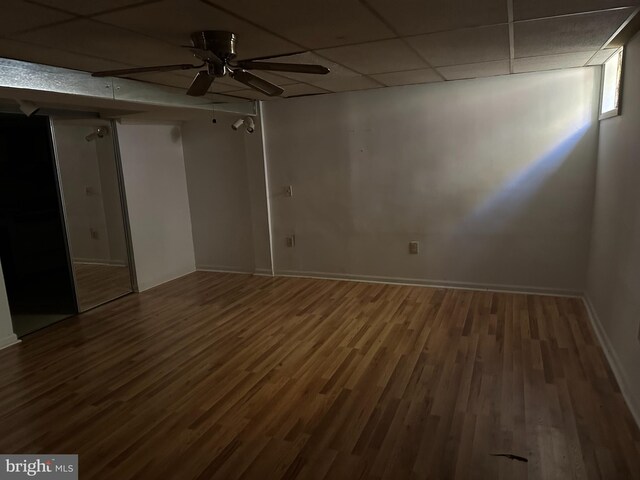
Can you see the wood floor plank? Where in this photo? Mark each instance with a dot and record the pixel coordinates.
(236, 376)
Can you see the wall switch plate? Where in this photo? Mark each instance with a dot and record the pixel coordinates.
(414, 248)
(291, 241)
(94, 234)
(288, 190)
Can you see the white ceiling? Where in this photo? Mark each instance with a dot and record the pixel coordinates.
(366, 43)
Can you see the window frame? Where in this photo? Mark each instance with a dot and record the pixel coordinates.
(617, 110)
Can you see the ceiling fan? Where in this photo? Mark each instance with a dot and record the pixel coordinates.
(217, 50)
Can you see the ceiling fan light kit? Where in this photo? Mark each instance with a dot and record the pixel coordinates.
(217, 50)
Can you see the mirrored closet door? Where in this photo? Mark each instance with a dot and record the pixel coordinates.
(33, 246)
(89, 176)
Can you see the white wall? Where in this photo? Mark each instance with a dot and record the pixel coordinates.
(218, 186)
(90, 165)
(494, 177)
(614, 267)
(158, 204)
(110, 190)
(79, 170)
(7, 337)
(227, 195)
(257, 177)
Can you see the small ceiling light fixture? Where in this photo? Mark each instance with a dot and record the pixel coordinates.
(28, 108)
(247, 122)
(100, 132)
(251, 127)
(237, 124)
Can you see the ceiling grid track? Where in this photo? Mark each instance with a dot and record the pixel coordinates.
(256, 25)
(303, 47)
(512, 47)
(414, 37)
(395, 32)
(635, 13)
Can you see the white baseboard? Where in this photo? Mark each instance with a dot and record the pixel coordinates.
(612, 358)
(225, 269)
(417, 282)
(263, 272)
(90, 261)
(8, 341)
(222, 269)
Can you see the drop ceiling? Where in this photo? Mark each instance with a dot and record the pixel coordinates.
(366, 43)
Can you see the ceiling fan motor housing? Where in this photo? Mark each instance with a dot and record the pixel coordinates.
(221, 43)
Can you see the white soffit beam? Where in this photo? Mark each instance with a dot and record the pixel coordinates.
(25, 76)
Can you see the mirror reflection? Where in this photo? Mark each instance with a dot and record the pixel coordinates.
(90, 186)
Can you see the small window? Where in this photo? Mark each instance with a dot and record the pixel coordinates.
(611, 84)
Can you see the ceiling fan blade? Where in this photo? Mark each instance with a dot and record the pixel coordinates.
(256, 82)
(200, 84)
(130, 71)
(283, 67)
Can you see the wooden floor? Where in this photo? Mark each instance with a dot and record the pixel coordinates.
(99, 283)
(232, 376)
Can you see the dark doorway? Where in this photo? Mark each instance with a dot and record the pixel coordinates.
(33, 247)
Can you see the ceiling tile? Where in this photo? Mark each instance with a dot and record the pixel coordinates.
(570, 33)
(343, 84)
(105, 41)
(469, 45)
(425, 75)
(413, 17)
(602, 56)
(312, 24)
(85, 7)
(376, 57)
(175, 20)
(57, 58)
(251, 95)
(337, 71)
(18, 16)
(462, 38)
(301, 89)
(551, 62)
(526, 9)
(216, 98)
(475, 70)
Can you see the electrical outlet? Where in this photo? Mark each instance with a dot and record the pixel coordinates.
(414, 248)
(94, 234)
(288, 190)
(291, 241)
